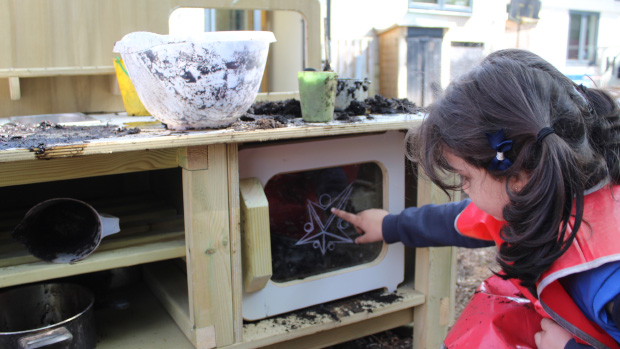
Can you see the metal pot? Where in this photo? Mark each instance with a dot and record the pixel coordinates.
(47, 315)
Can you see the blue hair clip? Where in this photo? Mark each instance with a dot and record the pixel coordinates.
(501, 145)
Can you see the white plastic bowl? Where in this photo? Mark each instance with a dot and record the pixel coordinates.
(205, 80)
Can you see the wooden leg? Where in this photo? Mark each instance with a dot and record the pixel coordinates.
(235, 240)
(434, 268)
(435, 276)
(207, 240)
(14, 88)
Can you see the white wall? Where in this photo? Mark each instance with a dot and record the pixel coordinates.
(552, 29)
(354, 19)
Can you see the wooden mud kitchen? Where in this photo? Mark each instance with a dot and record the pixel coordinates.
(191, 248)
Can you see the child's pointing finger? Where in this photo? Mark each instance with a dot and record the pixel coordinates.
(347, 216)
(368, 223)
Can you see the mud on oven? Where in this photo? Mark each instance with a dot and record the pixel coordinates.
(306, 254)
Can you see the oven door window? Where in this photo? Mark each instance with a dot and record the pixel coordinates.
(306, 238)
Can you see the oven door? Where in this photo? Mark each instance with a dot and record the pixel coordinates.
(295, 252)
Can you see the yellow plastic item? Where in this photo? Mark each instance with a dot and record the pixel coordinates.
(133, 105)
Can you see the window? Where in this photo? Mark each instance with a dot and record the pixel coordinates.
(582, 33)
(444, 5)
(306, 238)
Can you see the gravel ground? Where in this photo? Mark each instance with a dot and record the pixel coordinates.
(474, 266)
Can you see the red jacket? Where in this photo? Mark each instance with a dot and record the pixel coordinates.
(596, 243)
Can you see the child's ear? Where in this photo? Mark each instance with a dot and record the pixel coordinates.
(519, 181)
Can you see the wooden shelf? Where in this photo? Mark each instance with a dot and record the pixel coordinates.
(390, 315)
(67, 167)
(169, 285)
(145, 324)
(55, 71)
(14, 74)
(151, 230)
(122, 257)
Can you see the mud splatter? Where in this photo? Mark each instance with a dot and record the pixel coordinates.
(335, 310)
(38, 137)
(260, 115)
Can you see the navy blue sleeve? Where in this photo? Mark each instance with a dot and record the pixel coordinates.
(592, 290)
(429, 225)
(572, 344)
(615, 311)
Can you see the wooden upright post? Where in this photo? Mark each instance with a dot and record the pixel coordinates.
(207, 236)
(235, 240)
(435, 274)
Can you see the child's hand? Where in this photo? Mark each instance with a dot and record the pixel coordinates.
(368, 223)
(552, 335)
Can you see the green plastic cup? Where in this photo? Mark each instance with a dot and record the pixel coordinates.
(317, 94)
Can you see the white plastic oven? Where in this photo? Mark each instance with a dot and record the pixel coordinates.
(314, 257)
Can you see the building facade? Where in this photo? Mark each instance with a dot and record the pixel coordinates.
(424, 44)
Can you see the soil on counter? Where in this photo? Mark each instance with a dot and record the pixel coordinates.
(325, 312)
(274, 114)
(347, 306)
(37, 137)
(261, 115)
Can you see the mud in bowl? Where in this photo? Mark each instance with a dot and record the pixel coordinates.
(317, 94)
(64, 230)
(196, 81)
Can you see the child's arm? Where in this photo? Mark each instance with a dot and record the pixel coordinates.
(429, 225)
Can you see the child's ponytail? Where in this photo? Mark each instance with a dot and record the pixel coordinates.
(519, 92)
(602, 115)
(540, 209)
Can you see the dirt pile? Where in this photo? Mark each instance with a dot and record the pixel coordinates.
(37, 137)
(261, 115)
(284, 112)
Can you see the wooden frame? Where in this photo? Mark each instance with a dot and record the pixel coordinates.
(206, 303)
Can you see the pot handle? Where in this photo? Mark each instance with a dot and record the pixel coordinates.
(109, 224)
(44, 339)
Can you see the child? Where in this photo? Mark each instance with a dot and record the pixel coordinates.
(538, 157)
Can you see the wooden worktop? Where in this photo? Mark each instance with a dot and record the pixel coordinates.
(152, 138)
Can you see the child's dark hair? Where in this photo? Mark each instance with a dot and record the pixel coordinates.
(519, 92)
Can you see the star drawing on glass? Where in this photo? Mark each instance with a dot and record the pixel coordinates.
(316, 230)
